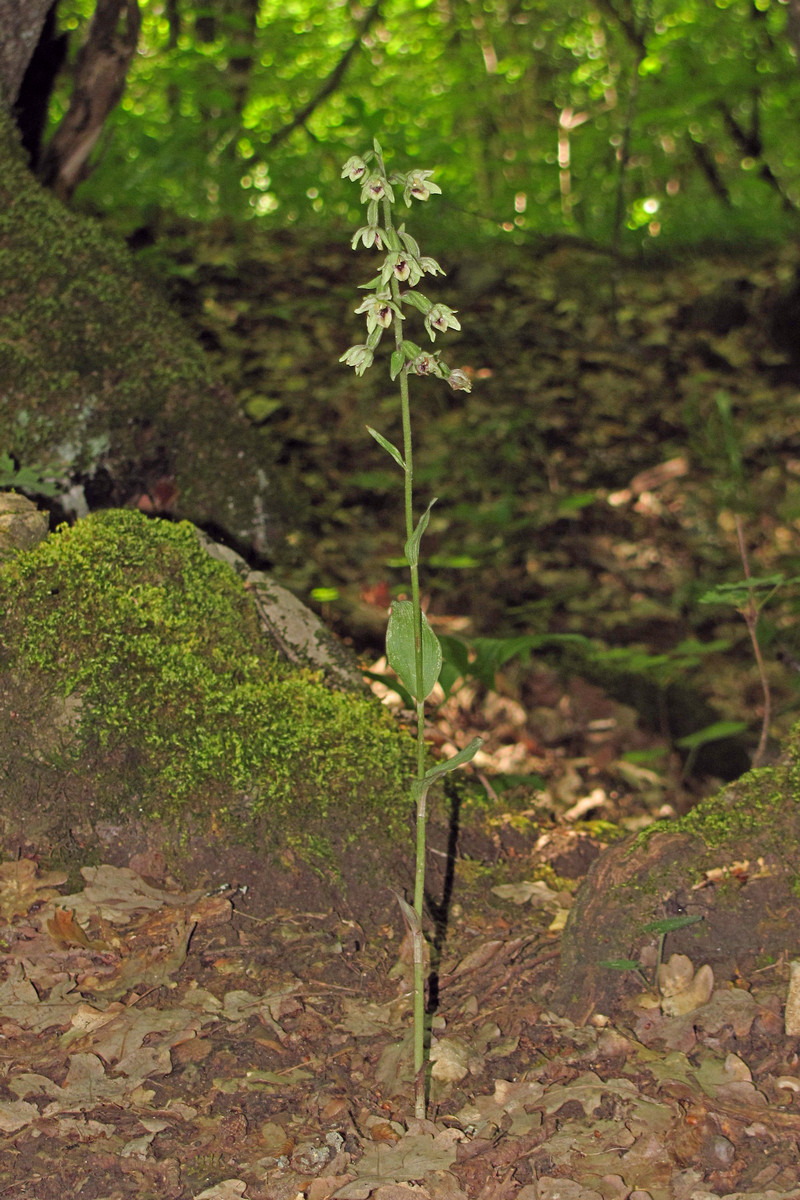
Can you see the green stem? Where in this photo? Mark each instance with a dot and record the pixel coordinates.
(750, 613)
(419, 791)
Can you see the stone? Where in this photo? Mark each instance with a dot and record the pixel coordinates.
(22, 525)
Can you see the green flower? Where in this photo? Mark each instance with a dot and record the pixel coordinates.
(440, 318)
(368, 235)
(419, 187)
(403, 266)
(430, 265)
(375, 187)
(354, 168)
(459, 381)
(428, 364)
(359, 357)
(380, 310)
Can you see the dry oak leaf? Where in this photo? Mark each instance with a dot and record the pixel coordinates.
(21, 886)
(65, 931)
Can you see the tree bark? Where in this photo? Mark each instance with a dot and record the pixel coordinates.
(793, 27)
(21, 23)
(99, 81)
(33, 100)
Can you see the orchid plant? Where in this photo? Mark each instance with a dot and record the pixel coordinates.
(412, 648)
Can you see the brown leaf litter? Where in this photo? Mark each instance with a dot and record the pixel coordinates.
(167, 1044)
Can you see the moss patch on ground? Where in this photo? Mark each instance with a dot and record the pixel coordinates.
(140, 667)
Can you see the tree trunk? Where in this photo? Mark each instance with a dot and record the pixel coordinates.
(21, 23)
(98, 84)
(33, 101)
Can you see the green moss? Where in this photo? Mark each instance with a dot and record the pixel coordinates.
(79, 323)
(97, 371)
(183, 699)
(745, 807)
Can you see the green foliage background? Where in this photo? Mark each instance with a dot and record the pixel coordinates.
(528, 106)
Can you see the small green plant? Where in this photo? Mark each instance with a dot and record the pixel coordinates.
(750, 594)
(662, 928)
(25, 479)
(412, 648)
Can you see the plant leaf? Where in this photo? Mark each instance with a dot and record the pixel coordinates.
(409, 913)
(711, 733)
(387, 445)
(737, 593)
(400, 649)
(411, 548)
(458, 760)
(667, 924)
(418, 301)
(396, 363)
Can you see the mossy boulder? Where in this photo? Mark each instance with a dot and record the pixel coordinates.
(21, 524)
(731, 865)
(100, 382)
(137, 684)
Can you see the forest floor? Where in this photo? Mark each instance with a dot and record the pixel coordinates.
(165, 1044)
(172, 1046)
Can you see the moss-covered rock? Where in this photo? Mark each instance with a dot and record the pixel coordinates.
(136, 682)
(731, 864)
(98, 377)
(21, 524)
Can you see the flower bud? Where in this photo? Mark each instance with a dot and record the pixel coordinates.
(359, 357)
(459, 381)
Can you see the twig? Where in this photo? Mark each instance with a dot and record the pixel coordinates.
(329, 85)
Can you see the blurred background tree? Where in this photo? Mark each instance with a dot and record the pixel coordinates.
(623, 122)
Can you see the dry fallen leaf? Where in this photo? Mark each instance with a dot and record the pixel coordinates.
(683, 990)
(21, 886)
(65, 930)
